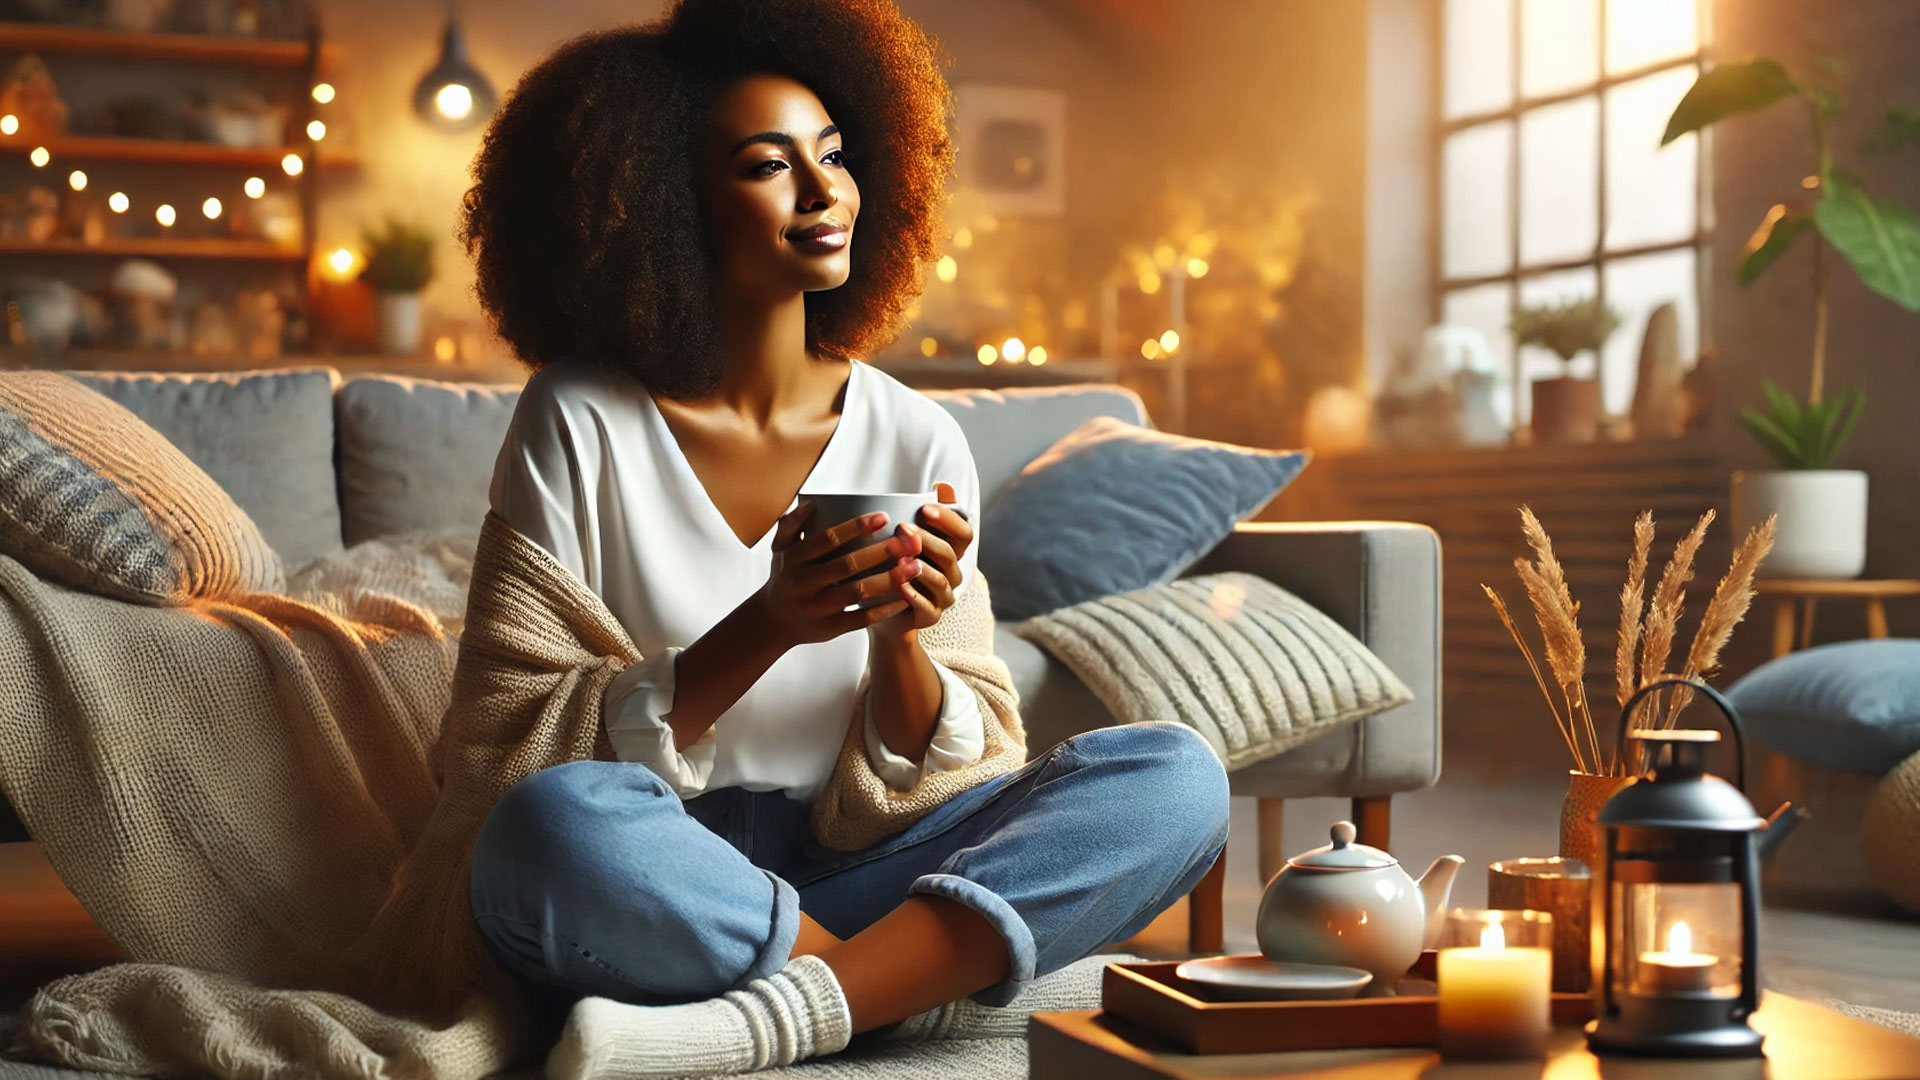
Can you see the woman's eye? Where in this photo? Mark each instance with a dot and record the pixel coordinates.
(768, 167)
(836, 156)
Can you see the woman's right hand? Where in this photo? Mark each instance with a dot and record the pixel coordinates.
(806, 596)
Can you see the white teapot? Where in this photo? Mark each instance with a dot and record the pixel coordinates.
(1352, 905)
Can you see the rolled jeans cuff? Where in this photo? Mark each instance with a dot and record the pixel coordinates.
(990, 905)
(785, 931)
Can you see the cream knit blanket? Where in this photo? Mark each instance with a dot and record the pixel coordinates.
(259, 801)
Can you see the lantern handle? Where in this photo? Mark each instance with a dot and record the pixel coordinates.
(1719, 701)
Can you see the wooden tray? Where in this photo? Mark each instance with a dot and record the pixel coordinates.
(1151, 995)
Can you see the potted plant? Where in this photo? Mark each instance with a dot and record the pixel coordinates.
(1822, 510)
(1566, 409)
(399, 265)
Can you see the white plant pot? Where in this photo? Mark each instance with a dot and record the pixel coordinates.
(396, 320)
(1823, 520)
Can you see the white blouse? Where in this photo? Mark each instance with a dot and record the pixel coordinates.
(591, 472)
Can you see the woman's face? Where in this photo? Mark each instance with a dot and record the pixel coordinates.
(778, 198)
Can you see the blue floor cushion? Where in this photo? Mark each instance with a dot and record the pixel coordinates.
(1853, 706)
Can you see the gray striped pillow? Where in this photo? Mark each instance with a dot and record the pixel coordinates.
(93, 498)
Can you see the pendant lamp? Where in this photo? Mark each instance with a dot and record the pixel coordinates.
(453, 95)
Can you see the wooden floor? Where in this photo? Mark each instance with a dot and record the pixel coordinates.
(1846, 945)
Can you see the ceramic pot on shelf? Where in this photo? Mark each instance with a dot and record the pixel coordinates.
(1823, 520)
(396, 319)
(1565, 410)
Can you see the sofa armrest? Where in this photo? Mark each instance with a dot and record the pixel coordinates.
(1380, 580)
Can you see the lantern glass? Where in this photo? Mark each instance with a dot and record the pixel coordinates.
(1677, 939)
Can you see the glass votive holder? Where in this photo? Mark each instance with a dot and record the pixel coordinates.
(1562, 888)
(1495, 971)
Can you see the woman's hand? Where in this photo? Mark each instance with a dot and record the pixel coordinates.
(806, 596)
(927, 577)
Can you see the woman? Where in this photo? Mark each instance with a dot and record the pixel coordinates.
(690, 232)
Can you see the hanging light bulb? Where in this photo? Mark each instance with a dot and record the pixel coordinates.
(453, 95)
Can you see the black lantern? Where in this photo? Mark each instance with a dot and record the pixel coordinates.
(1676, 900)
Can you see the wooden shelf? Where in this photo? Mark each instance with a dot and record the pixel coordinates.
(171, 151)
(16, 37)
(157, 247)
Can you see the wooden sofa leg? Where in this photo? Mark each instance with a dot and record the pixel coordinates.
(1372, 819)
(1206, 917)
(1272, 853)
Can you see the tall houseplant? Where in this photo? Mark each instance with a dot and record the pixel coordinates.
(399, 265)
(1822, 510)
(1566, 409)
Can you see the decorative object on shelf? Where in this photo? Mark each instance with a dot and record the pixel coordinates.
(1823, 511)
(37, 215)
(1647, 632)
(1676, 895)
(1562, 888)
(259, 324)
(142, 295)
(1495, 975)
(1010, 146)
(212, 331)
(139, 16)
(42, 314)
(239, 118)
(453, 95)
(275, 216)
(1659, 408)
(399, 265)
(1351, 905)
(30, 97)
(1566, 409)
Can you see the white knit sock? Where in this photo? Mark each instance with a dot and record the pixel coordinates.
(796, 1013)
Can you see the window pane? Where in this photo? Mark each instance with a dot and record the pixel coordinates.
(1642, 32)
(1650, 188)
(1634, 288)
(1539, 363)
(1559, 45)
(1479, 56)
(1484, 309)
(1559, 181)
(1477, 238)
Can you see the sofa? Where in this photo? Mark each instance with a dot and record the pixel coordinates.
(321, 462)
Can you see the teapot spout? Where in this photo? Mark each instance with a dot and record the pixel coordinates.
(1435, 886)
(1780, 824)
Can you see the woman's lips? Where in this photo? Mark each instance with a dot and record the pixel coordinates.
(820, 239)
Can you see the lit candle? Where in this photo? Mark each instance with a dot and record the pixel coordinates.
(1494, 999)
(1678, 970)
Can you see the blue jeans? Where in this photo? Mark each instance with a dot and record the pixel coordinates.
(594, 878)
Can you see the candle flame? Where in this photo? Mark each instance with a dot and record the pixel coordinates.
(1680, 940)
(1493, 938)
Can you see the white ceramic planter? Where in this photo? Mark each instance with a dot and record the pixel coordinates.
(1823, 520)
(396, 321)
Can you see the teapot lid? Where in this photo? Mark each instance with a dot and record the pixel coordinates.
(1343, 853)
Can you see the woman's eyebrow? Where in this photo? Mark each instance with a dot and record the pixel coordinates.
(778, 138)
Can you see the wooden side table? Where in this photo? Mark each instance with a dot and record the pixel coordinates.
(1787, 591)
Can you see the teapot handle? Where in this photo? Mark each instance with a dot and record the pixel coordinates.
(1719, 701)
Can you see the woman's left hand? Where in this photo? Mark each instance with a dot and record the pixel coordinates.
(926, 578)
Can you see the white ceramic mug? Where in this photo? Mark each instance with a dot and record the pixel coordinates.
(832, 508)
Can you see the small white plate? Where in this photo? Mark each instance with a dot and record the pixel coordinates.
(1252, 977)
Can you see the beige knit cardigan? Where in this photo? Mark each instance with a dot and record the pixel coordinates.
(271, 808)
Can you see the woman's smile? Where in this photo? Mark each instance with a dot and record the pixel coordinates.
(827, 236)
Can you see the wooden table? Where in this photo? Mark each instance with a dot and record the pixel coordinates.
(1786, 591)
(1804, 1042)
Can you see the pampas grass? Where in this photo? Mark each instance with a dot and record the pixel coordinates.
(1647, 628)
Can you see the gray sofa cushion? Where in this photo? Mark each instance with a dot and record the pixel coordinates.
(1853, 706)
(1006, 429)
(417, 454)
(266, 437)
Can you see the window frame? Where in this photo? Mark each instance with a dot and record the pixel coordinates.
(1443, 128)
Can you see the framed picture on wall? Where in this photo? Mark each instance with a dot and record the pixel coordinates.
(1011, 146)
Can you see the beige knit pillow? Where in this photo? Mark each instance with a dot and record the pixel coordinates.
(93, 498)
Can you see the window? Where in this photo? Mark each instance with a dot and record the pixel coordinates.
(1553, 182)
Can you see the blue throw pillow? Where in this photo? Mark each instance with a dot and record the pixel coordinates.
(1853, 706)
(1114, 507)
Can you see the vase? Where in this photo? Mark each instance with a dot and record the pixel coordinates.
(1823, 520)
(1565, 410)
(1586, 793)
(396, 318)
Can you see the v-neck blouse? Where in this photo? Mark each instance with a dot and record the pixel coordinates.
(590, 470)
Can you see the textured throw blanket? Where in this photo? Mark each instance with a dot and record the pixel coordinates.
(1247, 664)
(259, 801)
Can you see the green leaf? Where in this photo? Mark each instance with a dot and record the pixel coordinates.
(1899, 128)
(1734, 87)
(1855, 402)
(1771, 439)
(1784, 407)
(1880, 239)
(1777, 232)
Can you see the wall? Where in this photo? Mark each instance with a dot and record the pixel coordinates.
(1766, 331)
